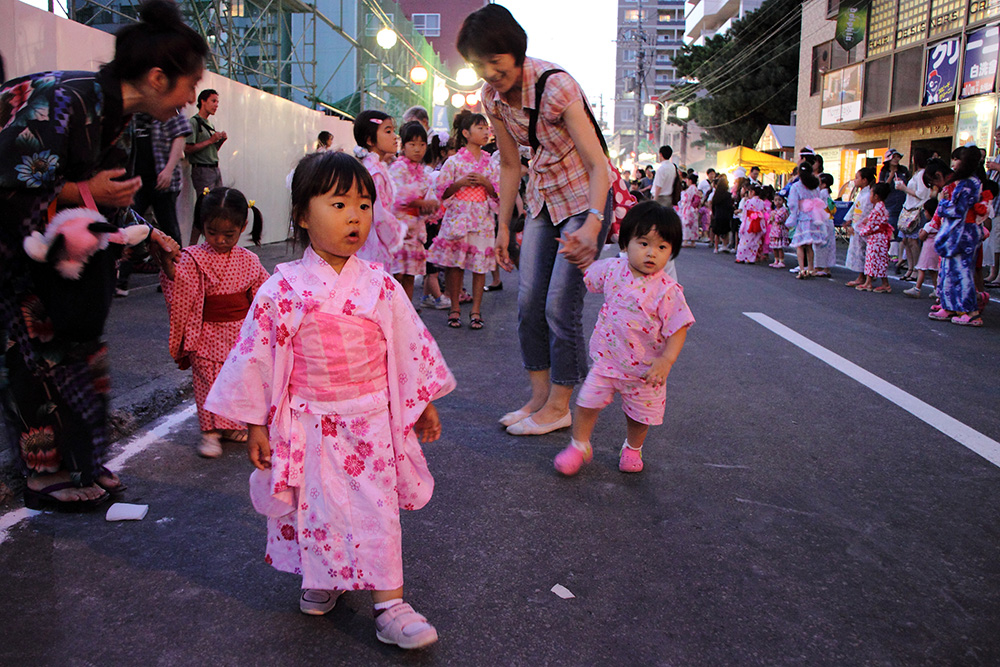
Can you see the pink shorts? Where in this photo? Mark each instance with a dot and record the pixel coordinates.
(642, 403)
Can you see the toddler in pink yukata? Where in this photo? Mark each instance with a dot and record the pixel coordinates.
(640, 332)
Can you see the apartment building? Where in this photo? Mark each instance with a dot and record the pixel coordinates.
(706, 18)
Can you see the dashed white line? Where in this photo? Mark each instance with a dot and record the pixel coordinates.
(965, 435)
(137, 444)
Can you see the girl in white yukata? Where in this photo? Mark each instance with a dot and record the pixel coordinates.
(335, 375)
(208, 293)
(863, 182)
(640, 331)
(467, 183)
(411, 179)
(375, 133)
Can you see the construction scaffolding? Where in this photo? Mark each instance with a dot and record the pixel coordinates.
(272, 45)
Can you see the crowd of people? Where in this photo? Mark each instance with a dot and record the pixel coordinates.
(894, 216)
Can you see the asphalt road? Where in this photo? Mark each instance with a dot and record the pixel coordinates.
(787, 514)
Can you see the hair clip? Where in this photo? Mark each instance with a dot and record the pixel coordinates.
(251, 203)
(205, 192)
(377, 121)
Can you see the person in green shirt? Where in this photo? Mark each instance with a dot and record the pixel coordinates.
(202, 151)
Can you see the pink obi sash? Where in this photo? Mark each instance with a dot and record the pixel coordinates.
(471, 193)
(337, 358)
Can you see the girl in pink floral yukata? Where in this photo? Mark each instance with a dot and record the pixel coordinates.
(335, 374)
(411, 179)
(640, 332)
(467, 183)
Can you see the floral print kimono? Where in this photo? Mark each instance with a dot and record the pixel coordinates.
(753, 231)
(387, 233)
(208, 300)
(56, 127)
(690, 211)
(467, 230)
(411, 181)
(956, 242)
(339, 367)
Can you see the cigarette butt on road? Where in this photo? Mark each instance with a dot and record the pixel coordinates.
(126, 512)
(562, 592)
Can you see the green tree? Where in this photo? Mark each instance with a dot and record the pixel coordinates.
(746, 78)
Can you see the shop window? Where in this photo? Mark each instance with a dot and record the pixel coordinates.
(877, 88)
(907, 85)
(826, 57)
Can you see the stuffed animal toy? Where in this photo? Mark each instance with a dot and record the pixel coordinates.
(73, 236)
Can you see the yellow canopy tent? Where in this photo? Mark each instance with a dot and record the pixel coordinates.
(741, 156)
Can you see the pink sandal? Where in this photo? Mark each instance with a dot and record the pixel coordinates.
(630, 459)
(967, 320)
(570, 460)
(941, 315)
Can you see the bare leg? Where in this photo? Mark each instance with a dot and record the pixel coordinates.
(496, 277)
(584, 420)
(453, 283)
(406, 280)
(478, 282)
(634, 431)
(556, 404)
(385, 596)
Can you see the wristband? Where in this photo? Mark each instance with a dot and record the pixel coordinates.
(597, 214)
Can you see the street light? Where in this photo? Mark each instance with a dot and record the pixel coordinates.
(386, 38)
(683, 112)
(649, 110)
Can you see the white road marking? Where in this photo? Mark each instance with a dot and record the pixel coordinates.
(963, 434)
(137, 444)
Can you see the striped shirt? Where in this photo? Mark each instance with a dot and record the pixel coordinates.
(557, 177)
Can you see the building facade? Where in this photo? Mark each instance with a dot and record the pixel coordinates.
(924, 75)
(439, 21)
(707, 18)
(650, 33)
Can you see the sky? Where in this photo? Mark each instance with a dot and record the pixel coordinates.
(583, 44)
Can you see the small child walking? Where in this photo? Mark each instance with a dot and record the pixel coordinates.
(208, 293)
(466, 184)
(411, 179)
(375, 134)
(778, 234)
(335, 375)
(877, 233)
(640, 332)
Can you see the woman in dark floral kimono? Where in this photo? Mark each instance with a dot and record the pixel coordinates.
(63, 134)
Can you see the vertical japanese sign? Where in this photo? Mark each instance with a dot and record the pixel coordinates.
(942, 72)
(980, 69)
(851, 22)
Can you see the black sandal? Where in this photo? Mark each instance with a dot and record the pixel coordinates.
(455, 319)
(118, 489)
(43, 499)
(476, 321)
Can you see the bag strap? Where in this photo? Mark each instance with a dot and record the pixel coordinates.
(88, 199)
(533, 113)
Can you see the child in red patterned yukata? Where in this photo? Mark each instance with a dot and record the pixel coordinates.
(640, 332)
(335, 375)
(877, 233)
(208, 293)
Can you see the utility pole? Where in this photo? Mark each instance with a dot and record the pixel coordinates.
(640, 77)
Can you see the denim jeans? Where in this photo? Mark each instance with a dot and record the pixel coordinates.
(550, 299)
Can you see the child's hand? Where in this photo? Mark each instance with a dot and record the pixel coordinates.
(259, 446)
(427, 206)
(658, 372)
(428, 426)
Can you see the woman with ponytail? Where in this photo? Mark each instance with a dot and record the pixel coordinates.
(64, 144)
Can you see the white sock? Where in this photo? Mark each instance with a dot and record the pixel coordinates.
(382, 606)
(634, 449)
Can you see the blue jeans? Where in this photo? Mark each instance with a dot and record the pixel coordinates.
(550, 299)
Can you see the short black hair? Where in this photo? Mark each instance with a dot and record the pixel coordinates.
(492, 31)
(412, 130)
(867, 173)
(992, 186)
(934, 167)
(205, 94)
(755, 167)
(649, 215)
(366, 127)
(709, 171)
(826, 179)
(666, 152)
(930, 207)
(319, 173)
(881, 190)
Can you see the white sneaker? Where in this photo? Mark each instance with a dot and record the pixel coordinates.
(316, 602)
(210, 446)
(914, 292)
(121, 292)
(442, 302)
(427, 301)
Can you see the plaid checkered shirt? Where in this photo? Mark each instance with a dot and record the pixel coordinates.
(162, 136)
(557, 176)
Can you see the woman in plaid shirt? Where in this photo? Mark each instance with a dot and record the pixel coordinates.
(567, 201)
